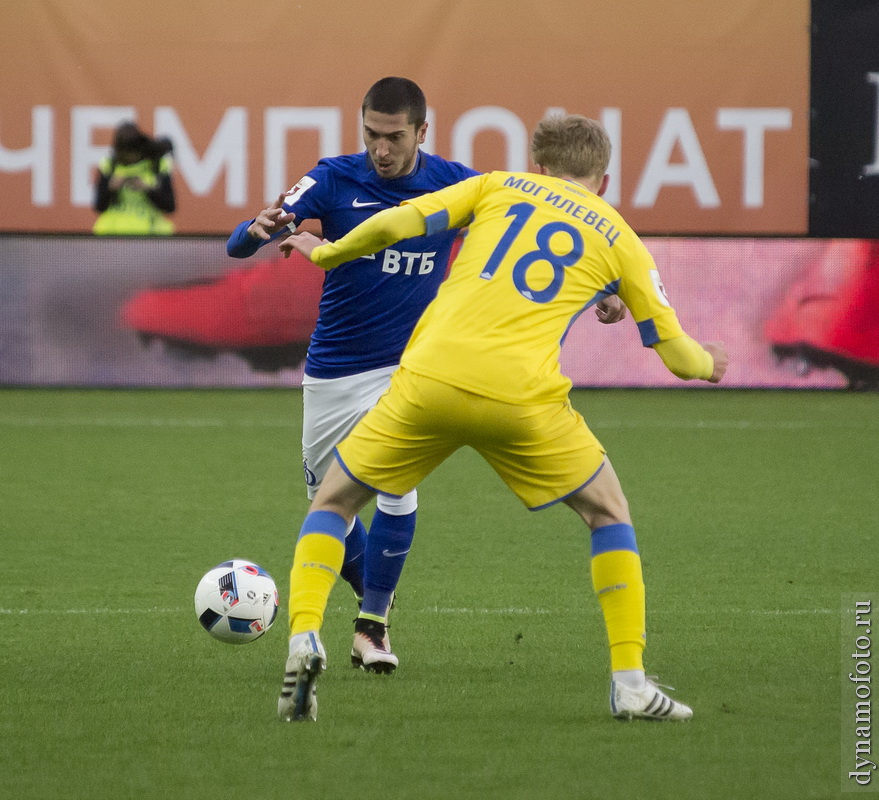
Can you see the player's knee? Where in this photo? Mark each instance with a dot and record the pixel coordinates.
(598, 508)
(608, 516)
(598, 518)
(344, 510)
(342, 496)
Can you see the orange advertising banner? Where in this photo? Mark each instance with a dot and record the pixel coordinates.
(706, 102)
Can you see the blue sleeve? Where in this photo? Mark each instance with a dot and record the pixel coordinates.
(242, 245)
(307, 200)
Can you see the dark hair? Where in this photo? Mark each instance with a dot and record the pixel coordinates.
(394, 96)
(129, 137)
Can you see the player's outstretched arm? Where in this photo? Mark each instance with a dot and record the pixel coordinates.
(687, 359)
(376, 233)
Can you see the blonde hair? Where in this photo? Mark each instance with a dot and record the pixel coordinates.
(571, 145)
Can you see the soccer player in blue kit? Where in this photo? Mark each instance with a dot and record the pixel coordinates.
(368, 309)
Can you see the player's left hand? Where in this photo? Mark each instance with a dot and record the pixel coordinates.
(721, 360)
(270, 220)
(303, 242)
(610, 310)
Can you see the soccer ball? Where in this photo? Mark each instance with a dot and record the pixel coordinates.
(236, 602)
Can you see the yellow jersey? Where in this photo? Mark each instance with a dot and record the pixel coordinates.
(133, 214)
(540, 251)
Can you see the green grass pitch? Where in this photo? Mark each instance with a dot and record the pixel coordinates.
(756, 513)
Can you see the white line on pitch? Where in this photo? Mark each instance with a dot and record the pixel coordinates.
(129, 422)
(54, 611)
(438, 610)
(716, 611)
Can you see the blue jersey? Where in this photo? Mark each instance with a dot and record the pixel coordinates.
(369, 306)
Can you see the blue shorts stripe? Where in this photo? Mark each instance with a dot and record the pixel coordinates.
(566, 496)
(354, 478)
(327, 522)
(613, 537)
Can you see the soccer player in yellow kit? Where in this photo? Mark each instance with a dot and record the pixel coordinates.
(482, 369)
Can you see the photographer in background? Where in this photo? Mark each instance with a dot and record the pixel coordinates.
(134, 189)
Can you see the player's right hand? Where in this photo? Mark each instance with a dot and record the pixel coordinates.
(303, 242)
(721, 360)
(270, 220)
(610, 310)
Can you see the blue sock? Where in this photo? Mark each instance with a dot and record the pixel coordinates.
(387, 546)
(618, 536)
(354, 566)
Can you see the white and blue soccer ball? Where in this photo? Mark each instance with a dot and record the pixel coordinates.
(236, 602)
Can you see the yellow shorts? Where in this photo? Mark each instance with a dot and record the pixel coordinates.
(542, 452)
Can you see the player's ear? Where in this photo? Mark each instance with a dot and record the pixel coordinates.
(421, 133)
(541, 169)
(603, 188)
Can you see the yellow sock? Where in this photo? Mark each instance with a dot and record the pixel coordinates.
(618, 582)
(316, 564)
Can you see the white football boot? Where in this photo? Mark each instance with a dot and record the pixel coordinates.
(371, 649)
(307, 660)
(649, 702)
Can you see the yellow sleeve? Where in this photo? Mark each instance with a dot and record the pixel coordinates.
(451, 207)
(685, 358)
(376, 233)
(642, 291)
(431, 213)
